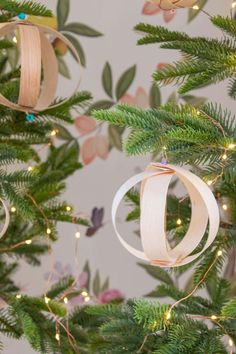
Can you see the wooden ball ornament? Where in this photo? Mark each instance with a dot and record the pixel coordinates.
(154, 188)
(37, 55)
(7, 218)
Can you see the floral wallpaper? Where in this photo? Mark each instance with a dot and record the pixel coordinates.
(115, 71)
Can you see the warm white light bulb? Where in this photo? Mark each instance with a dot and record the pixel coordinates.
(28, 242)
(87, 299)
(57, 336)
(30, 168)
(84, 293)
(224, 157)
(65, 300)
(213, 317)
(168, 316)
(68, 208)
(77, 234)
(219, 254)
(231, 146)
(209, 183)
(13, 209)
(18, 296)
(46, 299)
(49, 231)
(231, 343)
(53, 132)
(225, 207)
(14, 39)
(179, 222)
(195, 7)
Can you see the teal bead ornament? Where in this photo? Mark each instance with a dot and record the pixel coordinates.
(30, 117)
(22, 16)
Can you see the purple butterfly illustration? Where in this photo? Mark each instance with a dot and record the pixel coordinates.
(97, 221)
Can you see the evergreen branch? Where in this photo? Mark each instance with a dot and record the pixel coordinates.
(27, 6)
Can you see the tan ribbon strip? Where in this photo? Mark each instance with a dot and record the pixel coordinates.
(7, 219)
(36, 47)
(154, 189)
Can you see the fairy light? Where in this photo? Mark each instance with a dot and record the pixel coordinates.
(219, 253)
(47, 300)
(231, 343)
(57, 336)
(87, 299)
(209, 182)
(214, 317)
(168, 315)
(77, 235)
(28, 242)
(14, 39)
(48, 231)
(224, 157)
(53, 132)
(84, 293)
(195, 7)
(179, 222)
(68, 208)
(30, 168)
(65, 300)
(231, 146)
(13, 209)
(233, 4)
(225, 207)
(18, 296)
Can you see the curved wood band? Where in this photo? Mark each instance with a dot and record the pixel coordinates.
(36, 53)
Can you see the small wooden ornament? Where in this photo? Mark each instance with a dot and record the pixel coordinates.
(37, 53)
(173, 4)
(154, 188)
(7, 219)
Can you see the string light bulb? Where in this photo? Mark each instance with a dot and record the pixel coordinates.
(87, 299)
(49, 231)
(195, 7)
(30, 168)
(28, 242)
(231, 146)
(65, 300)
(234, 4)
(225, 207)
(168, 315)
(179, 222)
(209, 182)
(84, 293)
(57, 336)
(214, 317)
(219, 254)
(68, 208)
(77, 235)
(13, 209)
(14, 39)
(18, 296)
(224, 157)
(46, 299)
(231, 343)
(53, 132)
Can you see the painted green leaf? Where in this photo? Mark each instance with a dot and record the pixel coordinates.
(63, 68)
(157, 273)
(87, 270)
(81, 29)
(105, 286)
(115, 136)
(125, 82)
(78, 47)
(194, 101)
(193, 13)
(102, 104)
(62, 132)
(155, 96)
(107, 81)
(96, 284)
(63, 9)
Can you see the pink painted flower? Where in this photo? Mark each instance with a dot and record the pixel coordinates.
(140, 99)
(153, 9)
(110, 295)
(85, 124)
(96, 146)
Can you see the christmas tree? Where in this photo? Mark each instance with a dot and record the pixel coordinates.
(202, 138)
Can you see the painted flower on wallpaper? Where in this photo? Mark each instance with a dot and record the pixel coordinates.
(96, 221)
(94, 146)
(153, 9)
(140, 99)
(110, 295)
(173, 4)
